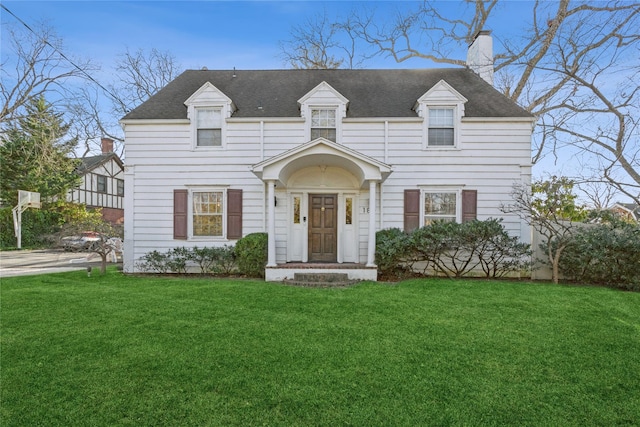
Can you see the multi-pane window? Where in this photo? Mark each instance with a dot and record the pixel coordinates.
(208, 209)
(101, 183)
(120, 187)
(209, 122)
(323, 123)
(439, 207)
(441, 127)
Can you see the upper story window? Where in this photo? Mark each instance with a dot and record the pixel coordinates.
(441, 127)
(208, 110)
(209, 127)
(323, 123)
(101, 183)
(323, 109)
(120, 187)
(442, 109)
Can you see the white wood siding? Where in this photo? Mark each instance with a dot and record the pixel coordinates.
(491, 157)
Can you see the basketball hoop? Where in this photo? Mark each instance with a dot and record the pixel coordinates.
(26, 199)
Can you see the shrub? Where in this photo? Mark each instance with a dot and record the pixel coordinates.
(154, 262)
(251, 254)
(225, 260)
(219, 260)
(40, 226)
(173, 261)
(177, 259)
(441, 245)
(501, 254)
(393, 252)
(452, 249)
(605, 254)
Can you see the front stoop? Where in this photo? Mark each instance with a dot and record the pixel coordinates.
(320, 280)
(353, 272)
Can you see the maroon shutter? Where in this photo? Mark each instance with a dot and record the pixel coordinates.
(234, 214)
(469, 205)
(180, 202)
(411, 210)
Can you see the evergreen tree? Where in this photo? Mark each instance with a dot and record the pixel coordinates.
(35, 156)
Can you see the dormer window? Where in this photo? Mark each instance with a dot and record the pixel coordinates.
(323, 123)
(441, 128)
(209, 127)
(208, 110)
(442, 108)
(323, 109)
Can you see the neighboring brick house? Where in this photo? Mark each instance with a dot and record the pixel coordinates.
(321, 160)
(102, 183)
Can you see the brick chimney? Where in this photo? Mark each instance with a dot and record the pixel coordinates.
(480, 56)
(107, 145)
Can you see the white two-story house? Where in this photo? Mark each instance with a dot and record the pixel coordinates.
(320, 160)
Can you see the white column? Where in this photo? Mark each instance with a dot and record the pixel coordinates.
(371, 251)
(271, 224)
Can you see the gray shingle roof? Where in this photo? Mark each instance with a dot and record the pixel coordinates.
(371, 93)
(89, 163)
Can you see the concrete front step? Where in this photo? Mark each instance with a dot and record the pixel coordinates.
(322, 280)
(321, 277)
(355, 272)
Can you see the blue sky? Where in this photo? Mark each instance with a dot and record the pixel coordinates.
(215, 34)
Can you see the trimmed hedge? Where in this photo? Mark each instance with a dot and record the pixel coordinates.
(453, 250)
(604, 254)
(251, 254)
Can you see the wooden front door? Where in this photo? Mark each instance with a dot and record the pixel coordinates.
(323, 227)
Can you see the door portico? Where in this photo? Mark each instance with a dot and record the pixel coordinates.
(322, 171)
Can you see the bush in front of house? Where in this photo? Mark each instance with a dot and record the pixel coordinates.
(453, 250)
(499, 253)
(216, 260)
(604, 254)
(251, 254)
(393, 253)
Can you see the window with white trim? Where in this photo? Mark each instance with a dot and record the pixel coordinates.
(209, 127)
(323, 123)
(441, 131)
(440, 206)
(208, 213)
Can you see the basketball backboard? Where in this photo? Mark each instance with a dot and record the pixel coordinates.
(28, 199)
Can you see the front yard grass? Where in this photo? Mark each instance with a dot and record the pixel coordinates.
(119, 350)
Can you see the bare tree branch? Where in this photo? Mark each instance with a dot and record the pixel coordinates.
(575, 67)
(34, 67)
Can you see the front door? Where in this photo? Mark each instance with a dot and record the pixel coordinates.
(323, 227)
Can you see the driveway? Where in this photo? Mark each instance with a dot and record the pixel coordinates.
(30, 262)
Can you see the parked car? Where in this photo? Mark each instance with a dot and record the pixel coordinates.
(82, 242)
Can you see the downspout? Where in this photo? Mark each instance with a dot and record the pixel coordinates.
(386, 160)
(264, 192)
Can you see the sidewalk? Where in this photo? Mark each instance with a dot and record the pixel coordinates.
(30, 262)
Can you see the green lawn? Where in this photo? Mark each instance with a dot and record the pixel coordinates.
(118, 350)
